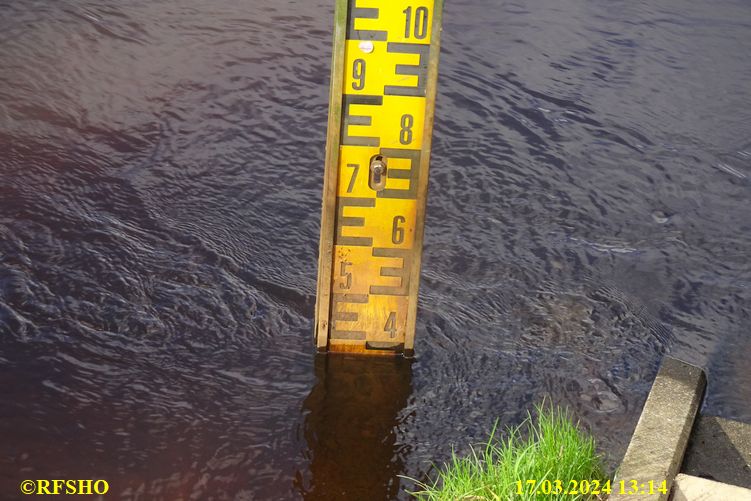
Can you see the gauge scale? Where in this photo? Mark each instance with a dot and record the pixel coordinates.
(381, 105)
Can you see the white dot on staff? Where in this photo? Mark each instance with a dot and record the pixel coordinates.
(366, 46)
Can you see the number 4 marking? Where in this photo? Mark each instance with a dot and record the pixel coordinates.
(390, 326)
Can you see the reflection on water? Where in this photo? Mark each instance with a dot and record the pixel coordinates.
(351, 418)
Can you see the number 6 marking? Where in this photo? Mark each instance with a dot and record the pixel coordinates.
(397, 232)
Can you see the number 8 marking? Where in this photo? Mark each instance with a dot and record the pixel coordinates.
(405, 135)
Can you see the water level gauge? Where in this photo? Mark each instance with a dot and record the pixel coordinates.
(383, 86)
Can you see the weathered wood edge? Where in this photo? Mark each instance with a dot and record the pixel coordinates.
(328, 205)
(422, 189)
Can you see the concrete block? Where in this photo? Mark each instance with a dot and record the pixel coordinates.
(690, 488)
(662, 432)
(720, 449)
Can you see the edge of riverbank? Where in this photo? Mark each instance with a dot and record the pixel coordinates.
(691, 456)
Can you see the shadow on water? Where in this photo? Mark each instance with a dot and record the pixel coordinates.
(351, 419)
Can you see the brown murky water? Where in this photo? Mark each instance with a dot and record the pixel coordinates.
(589, 212)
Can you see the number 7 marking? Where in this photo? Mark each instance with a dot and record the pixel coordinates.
(355, 169)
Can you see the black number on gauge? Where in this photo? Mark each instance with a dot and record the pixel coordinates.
(420, 27)
(346, 275)
(358, 73)
(397, 231)
(355, 168)
(390, 326)
(405, 135)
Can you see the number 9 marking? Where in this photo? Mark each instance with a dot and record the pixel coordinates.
(358, 73)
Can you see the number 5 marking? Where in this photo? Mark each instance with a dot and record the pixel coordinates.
(346, 275)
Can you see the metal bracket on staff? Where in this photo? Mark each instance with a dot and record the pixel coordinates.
(381, 107)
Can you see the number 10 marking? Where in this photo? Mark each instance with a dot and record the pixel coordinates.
(421, 23)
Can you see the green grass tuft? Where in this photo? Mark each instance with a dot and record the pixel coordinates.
(550, 447)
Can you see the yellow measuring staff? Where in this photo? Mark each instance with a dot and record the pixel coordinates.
(381, 105)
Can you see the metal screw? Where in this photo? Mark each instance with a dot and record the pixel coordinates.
(378, 167)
